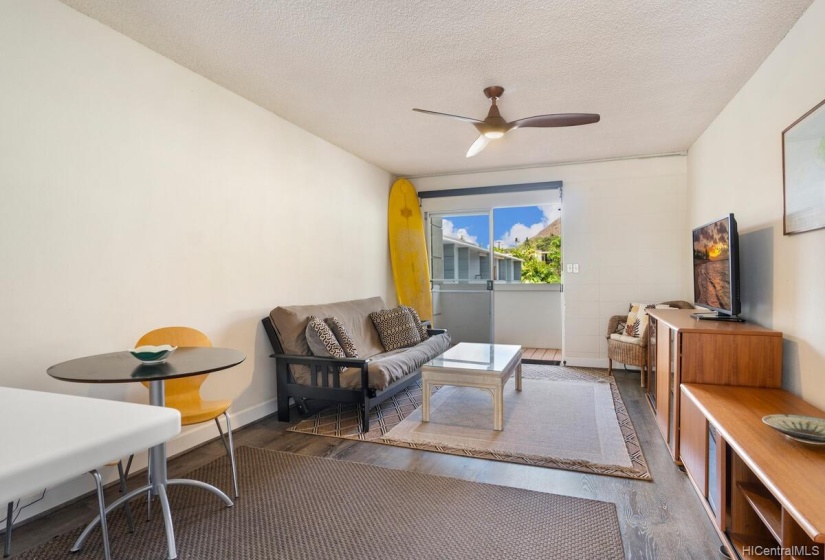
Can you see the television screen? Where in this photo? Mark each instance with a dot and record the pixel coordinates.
(716, 267)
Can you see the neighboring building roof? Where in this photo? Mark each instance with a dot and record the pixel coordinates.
(479, 248)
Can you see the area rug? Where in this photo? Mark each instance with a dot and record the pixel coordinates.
(309, 508)
(566, 418)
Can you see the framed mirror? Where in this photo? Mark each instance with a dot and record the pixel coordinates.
(803, 165)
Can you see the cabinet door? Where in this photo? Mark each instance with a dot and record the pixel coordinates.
(663, 380)
(693, 447)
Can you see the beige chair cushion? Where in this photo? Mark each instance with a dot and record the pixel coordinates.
(628, 339)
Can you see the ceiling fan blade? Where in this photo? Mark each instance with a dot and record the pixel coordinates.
(560, 119)
(457, 117)
(480, 143)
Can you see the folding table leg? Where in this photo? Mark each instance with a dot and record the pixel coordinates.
(7, 544)
(101, 503)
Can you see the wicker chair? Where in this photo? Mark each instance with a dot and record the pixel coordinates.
(628, 353)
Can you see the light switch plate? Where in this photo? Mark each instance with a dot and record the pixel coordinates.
(569, 268)
(575, 269)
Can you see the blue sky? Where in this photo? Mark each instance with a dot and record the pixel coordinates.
(509, 224)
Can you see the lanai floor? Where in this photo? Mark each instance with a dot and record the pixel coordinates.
(541, 356)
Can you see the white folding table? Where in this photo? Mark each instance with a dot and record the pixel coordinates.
(57, 437)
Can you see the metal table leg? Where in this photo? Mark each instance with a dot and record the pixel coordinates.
(7, 544)
(101, 504)
(158, 483)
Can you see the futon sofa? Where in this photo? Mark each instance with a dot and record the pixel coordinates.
(373, 377)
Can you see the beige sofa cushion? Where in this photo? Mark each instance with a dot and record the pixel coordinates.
(291, 322)
(392, 366)
(384, 369)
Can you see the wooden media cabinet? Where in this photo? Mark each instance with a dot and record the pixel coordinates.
(687, 350)
(764, 492)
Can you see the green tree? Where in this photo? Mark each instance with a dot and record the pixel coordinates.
(541, 259)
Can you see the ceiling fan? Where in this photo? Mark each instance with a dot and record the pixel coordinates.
(494, 126)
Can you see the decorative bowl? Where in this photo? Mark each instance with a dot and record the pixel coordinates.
(807, 429)
(153, 354)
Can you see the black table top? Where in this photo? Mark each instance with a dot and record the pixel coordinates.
(122, 367)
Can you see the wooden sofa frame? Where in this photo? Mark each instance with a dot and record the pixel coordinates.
(321, 370)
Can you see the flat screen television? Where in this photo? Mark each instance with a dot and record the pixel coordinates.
(716, 269)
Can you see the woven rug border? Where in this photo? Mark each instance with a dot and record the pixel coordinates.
(638, 471)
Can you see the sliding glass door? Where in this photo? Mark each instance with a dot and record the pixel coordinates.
(462, 274)
(495, 261)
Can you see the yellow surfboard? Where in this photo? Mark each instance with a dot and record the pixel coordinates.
(408, 250)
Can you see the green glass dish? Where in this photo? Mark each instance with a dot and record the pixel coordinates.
(150, 355)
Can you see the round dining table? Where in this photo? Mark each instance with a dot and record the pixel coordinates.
(122, 367)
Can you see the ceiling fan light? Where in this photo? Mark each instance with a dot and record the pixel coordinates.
(494, 134)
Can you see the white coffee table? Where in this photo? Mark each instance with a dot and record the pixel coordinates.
(484, 366)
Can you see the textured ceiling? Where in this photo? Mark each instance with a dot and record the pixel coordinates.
(658, 71)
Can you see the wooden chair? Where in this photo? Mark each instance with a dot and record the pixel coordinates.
(628, 353)
(185, 394)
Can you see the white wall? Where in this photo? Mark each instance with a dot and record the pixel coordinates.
(137, 194)
(623, 223)
(736, 166)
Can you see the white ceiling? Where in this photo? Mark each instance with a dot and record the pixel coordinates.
(658, 71)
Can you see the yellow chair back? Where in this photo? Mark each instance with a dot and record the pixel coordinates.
(184, 393)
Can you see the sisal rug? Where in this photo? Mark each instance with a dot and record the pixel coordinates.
(565, 418)
(309, 508)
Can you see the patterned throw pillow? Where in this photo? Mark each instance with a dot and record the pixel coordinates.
(321, 340)
(422, 330)
(396, 328)
(637, 320)
(342, 334)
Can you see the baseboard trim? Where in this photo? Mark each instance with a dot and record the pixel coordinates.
(586, 362)
(206, 432)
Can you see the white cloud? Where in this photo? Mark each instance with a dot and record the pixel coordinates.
(521, 231)
(518, 233)
(550, 211)
(448, 230)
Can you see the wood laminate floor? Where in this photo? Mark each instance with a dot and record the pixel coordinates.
(663, 519)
